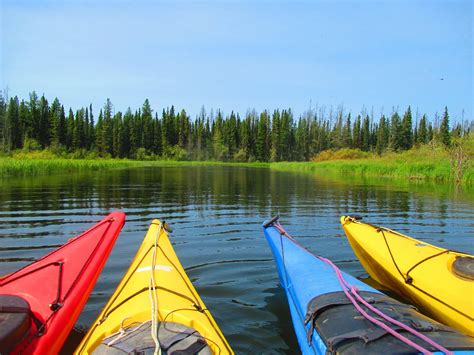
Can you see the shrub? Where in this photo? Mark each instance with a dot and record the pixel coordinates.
(341, 154)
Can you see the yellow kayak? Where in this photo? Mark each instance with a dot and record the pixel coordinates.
(155, 307)
(439, 281)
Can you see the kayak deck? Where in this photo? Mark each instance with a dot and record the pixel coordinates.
(176, 299)
(57, 286)
(420, 272)
(325, 318)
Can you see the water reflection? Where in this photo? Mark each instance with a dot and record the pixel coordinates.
(216, 214)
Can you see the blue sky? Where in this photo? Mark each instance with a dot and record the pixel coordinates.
(237, 55)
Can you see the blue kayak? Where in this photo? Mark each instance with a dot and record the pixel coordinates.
(327, 321)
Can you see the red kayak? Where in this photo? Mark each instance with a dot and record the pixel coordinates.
(40, 303)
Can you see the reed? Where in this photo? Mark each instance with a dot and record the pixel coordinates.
(37, 164)
(413, 165)
(33, 167)
(427, 163)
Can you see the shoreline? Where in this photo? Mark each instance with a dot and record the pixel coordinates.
(435, 169)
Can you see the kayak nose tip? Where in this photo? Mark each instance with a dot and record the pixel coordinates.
(270, 222)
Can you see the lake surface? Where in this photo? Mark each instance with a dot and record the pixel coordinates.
(216, 215)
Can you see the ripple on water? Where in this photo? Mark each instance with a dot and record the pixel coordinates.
(216, 215)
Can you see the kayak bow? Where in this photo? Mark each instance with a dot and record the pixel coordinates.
(40, 302)
(155, 305)
(439, 281)
(336, 313)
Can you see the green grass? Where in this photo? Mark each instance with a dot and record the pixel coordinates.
(44, 163)
(33, 167)
(421, 164)
(395, 169)
(428, 163)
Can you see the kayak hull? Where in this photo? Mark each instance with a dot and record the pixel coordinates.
(177, 299)
(58, 285)
(304, 277)
(420, 272)
(310, 281)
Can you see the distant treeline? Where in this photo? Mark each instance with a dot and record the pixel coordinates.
(37, 124)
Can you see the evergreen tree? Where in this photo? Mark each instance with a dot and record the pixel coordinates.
(147, 126)
(382, 135)
(62, 130)
(99, 143)
(200, 134)
(183, 128)
(366, 143)
(406, 138)
(44, 122)
(129, 137)
(247, 137)
(12, 126)
(275, 154)
(78, 135)
(107, 128)
(157, 149)
(287, 133)
(395, 132)
(34, 126)
(347, 133)
(220, 151)
(24, 122)
(357, 134)
(430, 132)
(70, 130)
(3, 110)
(91, 127)
(262, 148)
(336, 133)
(422, 136)
(444, 135)
(117, 137)
(55, 122)
(301, 137)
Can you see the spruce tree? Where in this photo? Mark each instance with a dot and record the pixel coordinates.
(147, 126)
(347, 133)
(395, 132)
(357, 134)
(406, 139)
(55, 120)
(3, 109)
(157, 149)
(24, 119)
(44, 122)
(366, 143)
(70, 130)
(275, 153)
(287, 133)
(34, 127)
(117, 137)
(382, 135)
(129, 138)
(262, 148)
(12, 125)
(422, 137)
(444, 135)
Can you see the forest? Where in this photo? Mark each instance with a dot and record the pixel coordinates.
(268, 136)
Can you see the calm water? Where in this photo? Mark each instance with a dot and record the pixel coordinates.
(216, 214)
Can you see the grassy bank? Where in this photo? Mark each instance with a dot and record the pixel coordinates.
(418, 164)
(43, 163)
(33, 167)
(413, 165)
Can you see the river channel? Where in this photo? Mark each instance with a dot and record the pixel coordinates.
(216, 215)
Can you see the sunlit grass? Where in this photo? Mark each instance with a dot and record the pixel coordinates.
(425, 163)
(43, 163)
(420, 164)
